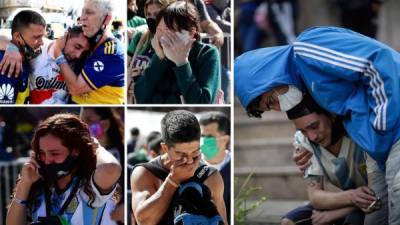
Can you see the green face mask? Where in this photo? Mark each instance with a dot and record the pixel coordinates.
(208, 146)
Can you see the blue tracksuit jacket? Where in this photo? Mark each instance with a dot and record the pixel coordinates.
(346, 73)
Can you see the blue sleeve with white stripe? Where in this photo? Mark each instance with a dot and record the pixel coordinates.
(351, 74)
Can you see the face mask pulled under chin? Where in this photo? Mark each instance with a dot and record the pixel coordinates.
(54, 171)
(30, 53)
(290, 99)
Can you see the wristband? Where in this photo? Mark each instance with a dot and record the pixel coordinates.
(20, 201)
(61, 60)
(12, 47)
(173, 183)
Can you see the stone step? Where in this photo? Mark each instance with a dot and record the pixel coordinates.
(264, 152)
(274, 126)
(271, 211)
(285, 182)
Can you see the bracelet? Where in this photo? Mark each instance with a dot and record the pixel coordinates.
(11, 47)
(20, 201)
(61, 60)
(173, 183)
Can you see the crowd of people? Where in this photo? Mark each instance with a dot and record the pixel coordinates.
(276, 22)
(85, 66)
(169, 61)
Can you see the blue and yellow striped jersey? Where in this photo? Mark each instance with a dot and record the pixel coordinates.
(104, 73)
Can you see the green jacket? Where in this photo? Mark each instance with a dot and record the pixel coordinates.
(135, 42)
(136, 21)
(195, 83)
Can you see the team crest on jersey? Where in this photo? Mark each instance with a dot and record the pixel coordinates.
(6, 94)
(98, 66)
(72, 206)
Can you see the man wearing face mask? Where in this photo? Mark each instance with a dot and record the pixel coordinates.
(27, 29)
(46, 83)
(338, 161)
(214, 145)
(101, 80)
(156, 185)
(347, 74)
(68, 179)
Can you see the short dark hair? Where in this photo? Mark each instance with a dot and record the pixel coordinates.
(25, 18)
(251, 108)
(308, 106)
(181, 15)
(155, 145)
(153, 135)
(135, 131)
(224, 125)
(179, 126)
(75, 31)
(305, 107)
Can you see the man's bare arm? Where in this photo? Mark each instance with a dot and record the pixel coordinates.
(321, 199)
(149, 203)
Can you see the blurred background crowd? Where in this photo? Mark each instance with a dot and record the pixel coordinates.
(262, 23)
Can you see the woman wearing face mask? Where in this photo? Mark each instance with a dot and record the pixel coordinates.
(106, 126)
(67, 180)
(140, 50)
(183, 70)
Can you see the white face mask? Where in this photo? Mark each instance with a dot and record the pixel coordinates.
(290, 99)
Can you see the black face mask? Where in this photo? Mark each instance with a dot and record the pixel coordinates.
(151, 23)
(29, 52)
(53, 172)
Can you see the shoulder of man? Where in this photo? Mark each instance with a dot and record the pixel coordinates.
(111, 47)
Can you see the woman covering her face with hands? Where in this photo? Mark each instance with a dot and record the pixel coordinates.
(183, 70)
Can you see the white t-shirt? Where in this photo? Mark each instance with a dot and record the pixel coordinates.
(78, 211)
(346, 171)
(47, 85)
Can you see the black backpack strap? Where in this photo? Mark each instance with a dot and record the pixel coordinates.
(66, 203)
(202, 173)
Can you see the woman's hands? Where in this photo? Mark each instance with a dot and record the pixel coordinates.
(30, 171)
(173, 45)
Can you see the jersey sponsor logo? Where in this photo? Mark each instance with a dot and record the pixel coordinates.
(54, 83)
(98, 66)
(6, 94)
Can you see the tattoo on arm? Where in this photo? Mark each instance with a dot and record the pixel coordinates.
(313, 180)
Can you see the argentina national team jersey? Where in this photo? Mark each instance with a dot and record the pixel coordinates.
(14, 90)
(103, 71)
(78, 211)
(347, 170)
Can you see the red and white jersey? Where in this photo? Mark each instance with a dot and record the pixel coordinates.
(47, 85)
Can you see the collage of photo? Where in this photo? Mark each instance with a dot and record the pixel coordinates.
(199, 112)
